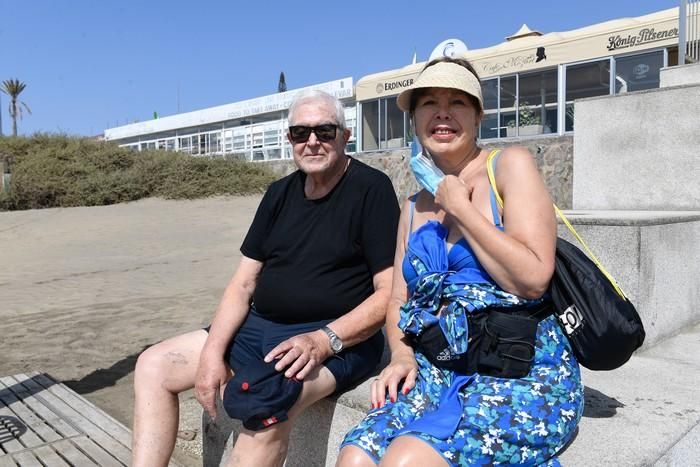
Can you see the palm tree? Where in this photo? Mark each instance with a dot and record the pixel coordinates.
(13, 88)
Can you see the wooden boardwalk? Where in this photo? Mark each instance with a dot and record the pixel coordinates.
(44, 423)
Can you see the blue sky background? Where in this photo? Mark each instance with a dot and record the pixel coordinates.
(95, 64)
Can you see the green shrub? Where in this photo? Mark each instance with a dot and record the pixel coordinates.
(53, 170)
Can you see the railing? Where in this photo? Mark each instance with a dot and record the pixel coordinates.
(689, 32)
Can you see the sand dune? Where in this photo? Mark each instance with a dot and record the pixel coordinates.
(84, 290)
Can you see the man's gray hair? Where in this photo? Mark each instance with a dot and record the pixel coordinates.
(310, 95)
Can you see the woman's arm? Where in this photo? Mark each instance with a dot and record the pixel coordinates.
(520, 259)
(403, 364)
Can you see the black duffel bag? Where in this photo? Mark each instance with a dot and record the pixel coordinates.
(602, 325)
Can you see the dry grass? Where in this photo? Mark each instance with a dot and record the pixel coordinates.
(62, 171)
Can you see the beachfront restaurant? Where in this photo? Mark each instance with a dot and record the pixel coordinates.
(253, 129)
(530, 81)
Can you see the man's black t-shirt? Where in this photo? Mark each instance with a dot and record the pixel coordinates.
(320, 255)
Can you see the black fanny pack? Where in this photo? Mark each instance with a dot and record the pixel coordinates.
(501, 342)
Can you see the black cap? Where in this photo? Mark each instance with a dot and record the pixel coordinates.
(260, 396)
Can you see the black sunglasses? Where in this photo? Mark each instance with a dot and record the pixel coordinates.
(324, 133)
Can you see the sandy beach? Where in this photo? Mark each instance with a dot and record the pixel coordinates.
(84, 290)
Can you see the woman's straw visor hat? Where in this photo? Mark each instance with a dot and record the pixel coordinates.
(443, 75)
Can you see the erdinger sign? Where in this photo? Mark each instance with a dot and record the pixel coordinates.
(644, 36)
(393, 85)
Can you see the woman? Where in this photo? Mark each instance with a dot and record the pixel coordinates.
(466, 262)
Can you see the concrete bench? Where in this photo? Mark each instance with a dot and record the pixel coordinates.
(644, 413)
(316, 436)
(314, 440)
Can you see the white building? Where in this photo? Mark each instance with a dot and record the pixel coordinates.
(253, 129)
(529, 82)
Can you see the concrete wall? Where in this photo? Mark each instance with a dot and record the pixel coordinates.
(555, 159)
(638, 151)
(680, 75)
(554, 156)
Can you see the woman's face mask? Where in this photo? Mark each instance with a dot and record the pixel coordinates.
(424, 169)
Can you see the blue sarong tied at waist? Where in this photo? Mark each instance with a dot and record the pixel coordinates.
(461, 292)
(460, 288)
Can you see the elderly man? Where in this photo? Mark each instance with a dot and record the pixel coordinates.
(309, 293)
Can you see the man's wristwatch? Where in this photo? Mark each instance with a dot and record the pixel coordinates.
(336, 343)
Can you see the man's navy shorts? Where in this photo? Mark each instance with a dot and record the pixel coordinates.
(257, 336)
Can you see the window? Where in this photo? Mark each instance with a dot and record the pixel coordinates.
(228, 141)
(507, 103)
(638, 72)
(186, 144)
(214, 143)
(489, 123)
(392, 130)
(272, 137)
(585, 80)
(370, 125)
(383, 125)
(537, 103)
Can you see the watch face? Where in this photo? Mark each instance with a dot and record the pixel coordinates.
(336, 344)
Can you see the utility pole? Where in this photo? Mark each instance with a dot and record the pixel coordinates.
(0, 114)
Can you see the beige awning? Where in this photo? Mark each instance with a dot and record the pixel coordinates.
(530, 51)
(387, 83)
(524, 31)
(615, 37)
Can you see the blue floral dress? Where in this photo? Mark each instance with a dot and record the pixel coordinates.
(474, 419)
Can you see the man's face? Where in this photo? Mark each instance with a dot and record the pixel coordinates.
(314, 156)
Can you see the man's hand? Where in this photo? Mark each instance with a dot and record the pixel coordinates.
(212, 374)
(301, 354)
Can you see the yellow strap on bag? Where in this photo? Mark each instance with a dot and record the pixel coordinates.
(492, 180)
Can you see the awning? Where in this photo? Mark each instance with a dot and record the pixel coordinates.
(530, 52)
(388, 83)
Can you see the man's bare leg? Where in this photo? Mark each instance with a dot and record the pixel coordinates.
(162, 372)
(268, 447)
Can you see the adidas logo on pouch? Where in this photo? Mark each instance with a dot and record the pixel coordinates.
(571, 319)
(445, 355)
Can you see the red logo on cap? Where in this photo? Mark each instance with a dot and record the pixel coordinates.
(270, 421)
(245, 386)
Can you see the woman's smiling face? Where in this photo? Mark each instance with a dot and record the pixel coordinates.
(446, 121)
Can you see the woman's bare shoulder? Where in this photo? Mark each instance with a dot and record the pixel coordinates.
(515, 161)
(513, 155)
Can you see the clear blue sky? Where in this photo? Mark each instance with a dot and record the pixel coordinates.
(95, 64)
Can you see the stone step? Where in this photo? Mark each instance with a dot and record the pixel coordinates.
(634, 415)
(645, 413)
(654, 256)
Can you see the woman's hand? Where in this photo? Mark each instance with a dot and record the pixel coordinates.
(402, 367)
(453, 194)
